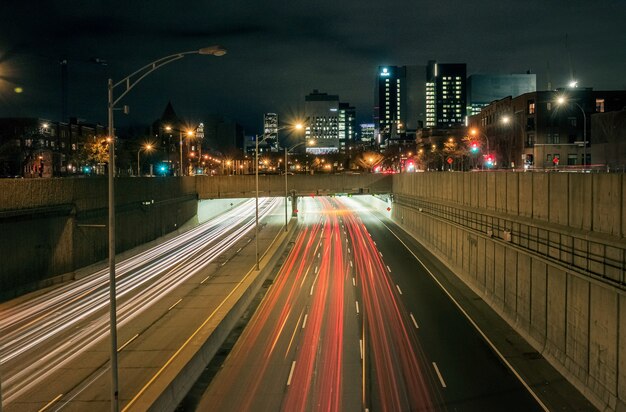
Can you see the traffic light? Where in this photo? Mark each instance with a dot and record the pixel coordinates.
(474, 147)
(489, 160)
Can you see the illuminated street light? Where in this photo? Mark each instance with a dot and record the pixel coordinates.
(297, 126)
(561, 100)
(476, 132)
(287, 150)
(145, 148)
(127, 84)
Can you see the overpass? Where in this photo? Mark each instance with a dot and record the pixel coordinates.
(213, 187)
(546, 251)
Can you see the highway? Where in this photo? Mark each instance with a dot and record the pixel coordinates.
(354, 322)
(44, 339)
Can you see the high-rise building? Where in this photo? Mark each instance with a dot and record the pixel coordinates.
(400, 103)
(321, 111)
(445, 94)
(482, 89)
(270, 130)
(368, 131)
(347, 125)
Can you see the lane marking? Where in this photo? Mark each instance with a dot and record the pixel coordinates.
(205, 279)
(351, 264)
(293, 365)
(293, 335)
(348, 250)
(443, 383)
(357, 307)
(49, 404)
(381, 255)
(315, 269)
(312, 287)
(474, 324)
(399, 290)
(184, 345)
(353, 282)
(177, 302)
(127, 342)
(414, 321)
(318, 254)
(388, 268)
(238, 250)
(304, 322)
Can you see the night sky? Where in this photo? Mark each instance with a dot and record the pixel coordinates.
(278, 51)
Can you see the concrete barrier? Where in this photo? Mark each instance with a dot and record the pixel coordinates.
(534, 247)
(52, 227)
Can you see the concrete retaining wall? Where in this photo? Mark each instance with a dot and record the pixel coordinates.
(212, 187)
(47, 226)
(546, 251)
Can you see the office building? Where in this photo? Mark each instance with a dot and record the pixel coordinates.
(482, 89)
(322, 114)
(400, 99)
(368, 131)
(346, 126)
(270, 130)
(445, 94)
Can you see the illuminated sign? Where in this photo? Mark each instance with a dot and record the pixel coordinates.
(385, 72)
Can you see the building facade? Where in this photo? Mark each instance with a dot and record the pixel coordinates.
(347, 126)
(482, 89)
(534, 130)
(270, 130)
(322, 114)
(399, 100)
(445, 94)
(34, 147)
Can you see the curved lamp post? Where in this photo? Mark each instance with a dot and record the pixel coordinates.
(145, 148)
(287, 150)
(127, 84)
(256, 179)
(474, 131)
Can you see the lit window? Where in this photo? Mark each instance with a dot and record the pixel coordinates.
(531, 107)
(600, 105)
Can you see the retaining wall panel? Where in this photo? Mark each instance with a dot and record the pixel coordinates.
(577, 326)
(603, 339)
(538, 301)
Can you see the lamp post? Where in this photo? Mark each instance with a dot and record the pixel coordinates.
(128, 83)
(256, 180)
(287, 150)
(189, 133)
(561, 100)
(145, 148)
(474, 131)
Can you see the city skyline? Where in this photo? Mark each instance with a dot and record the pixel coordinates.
(277, 53)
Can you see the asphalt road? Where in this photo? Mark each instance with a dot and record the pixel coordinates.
(353, 322)
(54, 349)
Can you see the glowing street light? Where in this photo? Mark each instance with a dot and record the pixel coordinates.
(561, 100)
(297, 126)
(127, 83)
(146, 148)
(287, 150)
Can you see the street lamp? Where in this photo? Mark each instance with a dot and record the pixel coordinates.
(189, 133)
(128, 83)
(145, 148)
(287, 150)
(475, 132)
(561, 100)
(298, 126)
